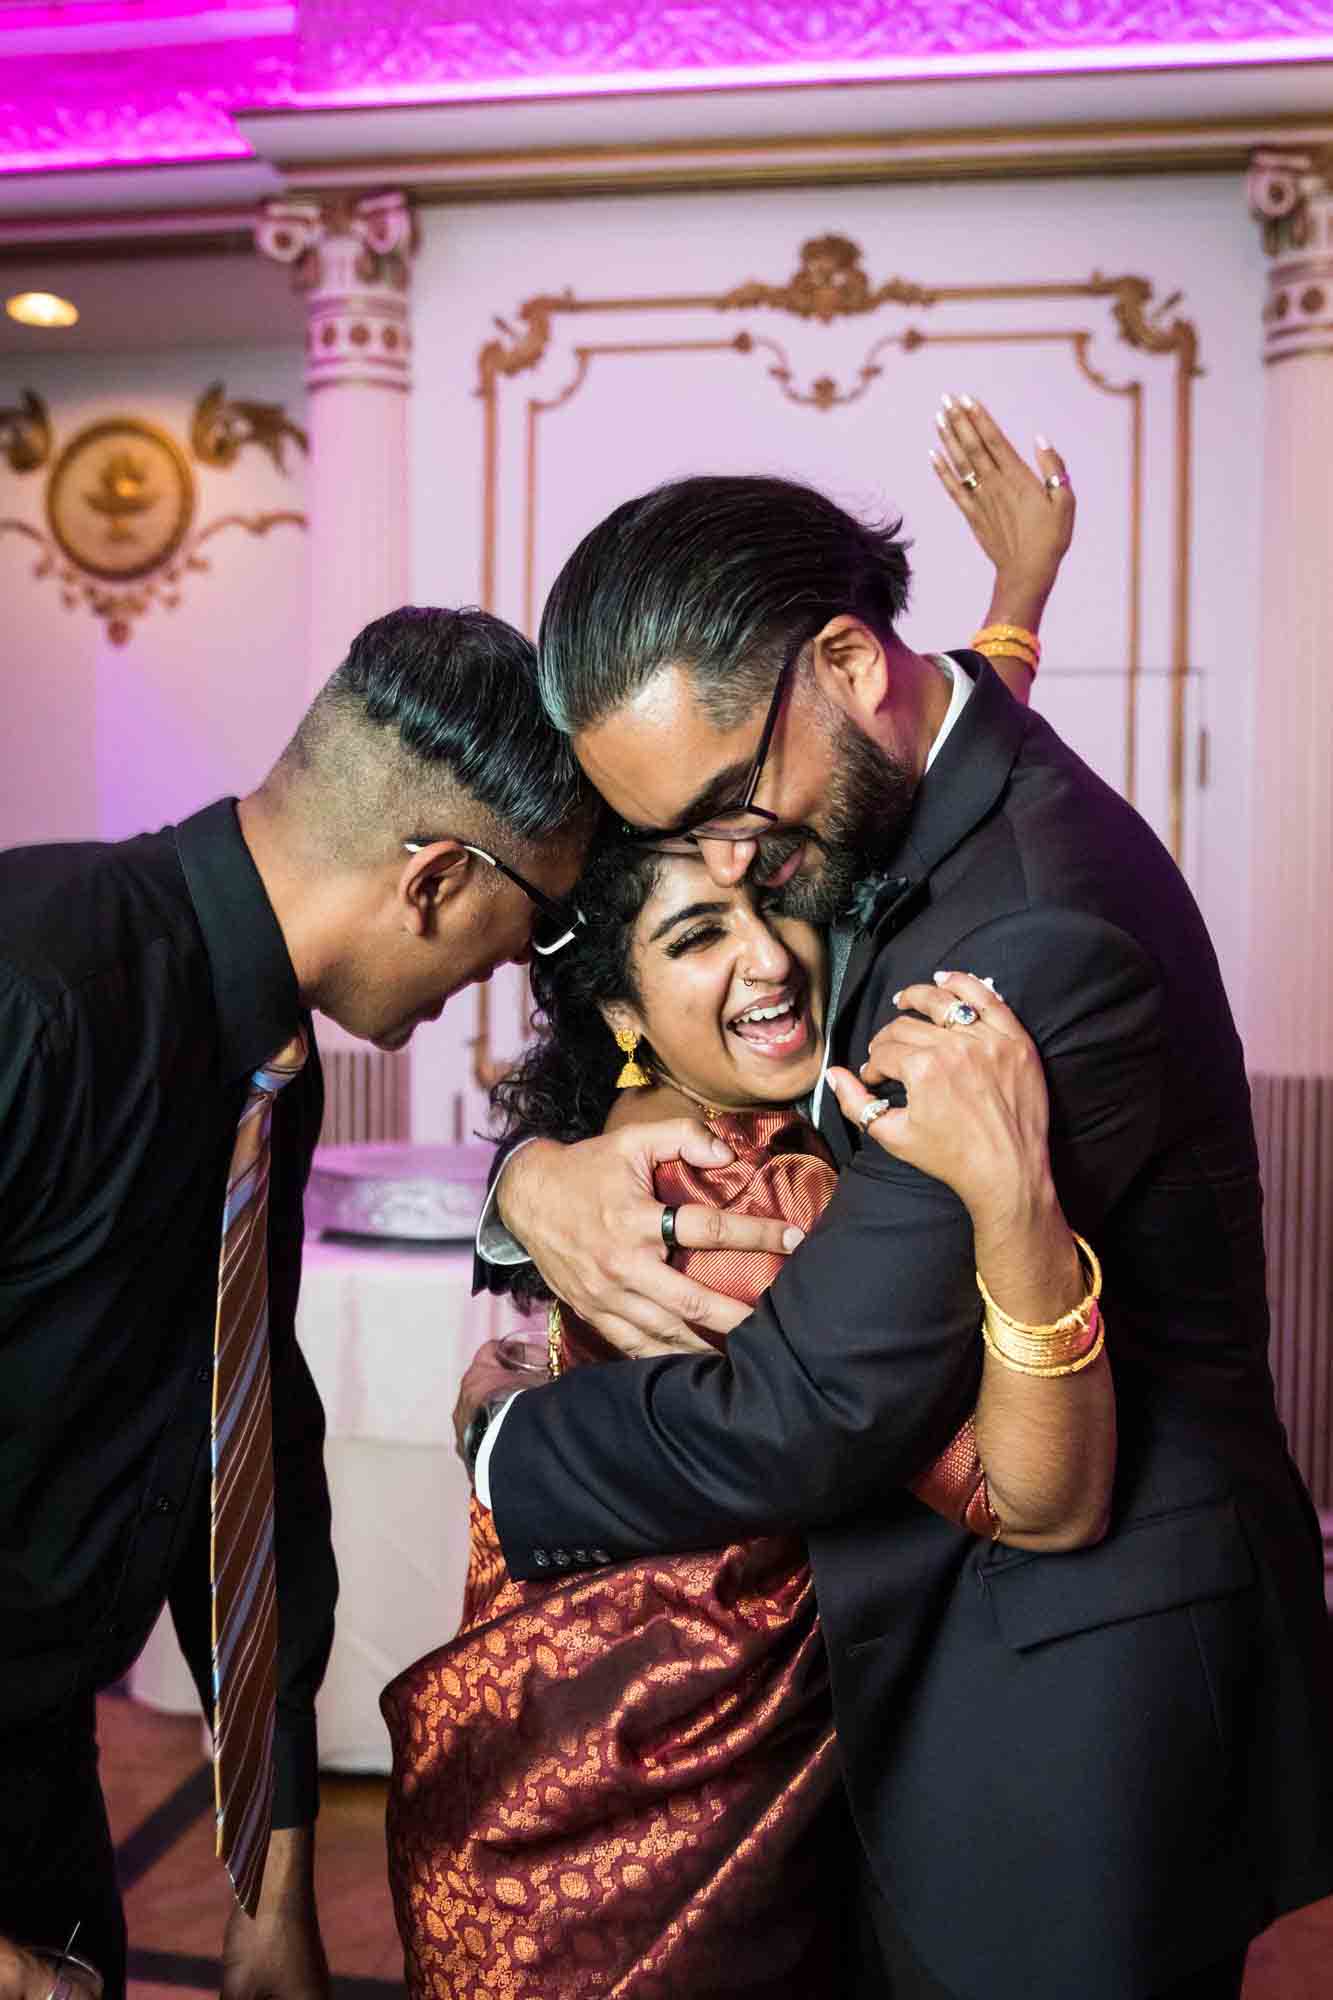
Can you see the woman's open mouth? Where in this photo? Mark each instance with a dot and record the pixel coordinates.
(778, 1025)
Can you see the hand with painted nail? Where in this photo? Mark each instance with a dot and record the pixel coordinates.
(976, 1115)
(1023, 519)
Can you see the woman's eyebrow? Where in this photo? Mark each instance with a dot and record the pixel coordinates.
(684, 915)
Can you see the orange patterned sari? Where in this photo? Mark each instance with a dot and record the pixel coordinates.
(620, 1783)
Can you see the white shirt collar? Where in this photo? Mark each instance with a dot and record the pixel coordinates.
(963, 684)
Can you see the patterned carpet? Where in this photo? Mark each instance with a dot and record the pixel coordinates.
(159, 1794)
(160, 1799)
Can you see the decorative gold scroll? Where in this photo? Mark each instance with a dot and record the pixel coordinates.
(222, 426)
(830, 284)
(25, 434)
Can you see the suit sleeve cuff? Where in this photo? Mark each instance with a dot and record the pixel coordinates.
(495, 1245)
(295, 1771)
(481, 1472)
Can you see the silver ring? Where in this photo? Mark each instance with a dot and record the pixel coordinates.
(870, 1112)
(1055, 480)
(970, 480)
(669, 1228)
(961, 1015)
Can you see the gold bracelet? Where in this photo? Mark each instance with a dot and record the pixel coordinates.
(1044, 1352)
(1045, 1369)
(1009, 649)
(1018, 632)
(1036, 1330)
(555, 1328)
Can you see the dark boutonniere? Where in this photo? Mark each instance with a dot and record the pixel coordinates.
(871, 897)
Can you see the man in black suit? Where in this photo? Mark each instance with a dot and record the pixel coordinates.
(1098, 1773)
(421, 822)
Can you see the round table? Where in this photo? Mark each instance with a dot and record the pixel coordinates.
(388, 1331)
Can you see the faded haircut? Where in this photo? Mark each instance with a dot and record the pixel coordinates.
(432, 713)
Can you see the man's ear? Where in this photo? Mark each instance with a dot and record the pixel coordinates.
(852, 665)
(429, 880)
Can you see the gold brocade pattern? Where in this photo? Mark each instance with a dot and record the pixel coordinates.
(612, 1783)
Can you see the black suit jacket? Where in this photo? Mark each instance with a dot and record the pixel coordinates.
(1084, 1773)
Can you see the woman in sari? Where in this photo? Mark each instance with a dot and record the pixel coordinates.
(624, 1782)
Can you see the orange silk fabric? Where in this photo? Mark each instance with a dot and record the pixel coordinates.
(617, 1782)
(782, 1167)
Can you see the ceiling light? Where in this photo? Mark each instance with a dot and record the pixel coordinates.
(41, 309)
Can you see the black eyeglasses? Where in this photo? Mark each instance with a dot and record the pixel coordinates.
(556, 922)
(745, 820)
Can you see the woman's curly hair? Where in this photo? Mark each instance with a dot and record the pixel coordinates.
(565, 1084)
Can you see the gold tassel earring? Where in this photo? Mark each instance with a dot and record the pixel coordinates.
(633, 1076)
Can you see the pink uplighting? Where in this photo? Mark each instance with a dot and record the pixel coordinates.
(94, 83)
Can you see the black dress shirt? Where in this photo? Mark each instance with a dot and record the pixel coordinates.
(140, 986)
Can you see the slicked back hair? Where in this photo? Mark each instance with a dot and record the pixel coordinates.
(714, 575)
(432, 710)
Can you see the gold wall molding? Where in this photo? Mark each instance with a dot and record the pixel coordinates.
(830, 284)
(118, 535)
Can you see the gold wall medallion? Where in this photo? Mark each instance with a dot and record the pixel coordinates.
(120, 499)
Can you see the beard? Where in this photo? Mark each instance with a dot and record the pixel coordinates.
(869, 804)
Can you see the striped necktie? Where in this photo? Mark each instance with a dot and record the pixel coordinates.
(245, 1616)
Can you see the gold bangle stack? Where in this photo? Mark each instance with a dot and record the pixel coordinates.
(1009, 642)
(555, 1328)
(1060, 1347)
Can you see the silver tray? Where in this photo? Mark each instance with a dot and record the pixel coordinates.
(398, 1193)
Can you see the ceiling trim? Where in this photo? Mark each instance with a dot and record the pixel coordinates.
(1083, 149)
(1204, 145)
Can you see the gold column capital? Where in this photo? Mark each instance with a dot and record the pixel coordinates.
(1291, 197)
(351, 256)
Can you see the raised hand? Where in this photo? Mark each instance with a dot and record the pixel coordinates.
(1023, 520)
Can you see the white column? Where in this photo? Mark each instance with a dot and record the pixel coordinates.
(352, 259)
(1290, 1044)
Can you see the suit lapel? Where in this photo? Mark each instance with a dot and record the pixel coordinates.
(956, 794)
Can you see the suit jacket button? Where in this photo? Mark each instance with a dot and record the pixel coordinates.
(561, 1558)
(599, 1556)
(579, 1555)
(541, 1558)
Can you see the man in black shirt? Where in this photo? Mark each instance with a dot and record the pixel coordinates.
(395, 854)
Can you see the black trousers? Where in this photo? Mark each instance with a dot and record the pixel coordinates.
(57, 1864)
(891, 1969)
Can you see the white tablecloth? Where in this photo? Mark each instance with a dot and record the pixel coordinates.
(388, 1333)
